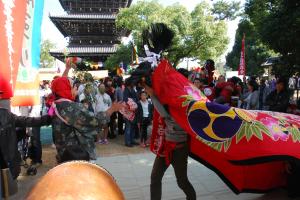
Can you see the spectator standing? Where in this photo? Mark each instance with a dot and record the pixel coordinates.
(264, 91)
(224, 91)
(119, 97)
(197, 83)
(278, 99)
(252, 100)
(110, 90)
(129, 92)
(145, 110)
(89, 93)
(103, 103)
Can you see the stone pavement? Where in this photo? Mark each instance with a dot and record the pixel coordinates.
(132, 173)
(131, 168)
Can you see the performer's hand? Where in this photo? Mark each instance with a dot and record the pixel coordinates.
(116, 106)
(68, 63)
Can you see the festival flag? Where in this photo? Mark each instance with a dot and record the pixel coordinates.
(26, 91)
(242, 66)
(12, 23)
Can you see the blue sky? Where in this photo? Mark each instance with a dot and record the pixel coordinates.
(49, 30)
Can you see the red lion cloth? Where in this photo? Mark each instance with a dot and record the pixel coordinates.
(247, 149)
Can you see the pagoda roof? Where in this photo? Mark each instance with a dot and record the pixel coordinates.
(85, 24)
(100, 52)
(86, 49)
(83, 16)
(73, 6)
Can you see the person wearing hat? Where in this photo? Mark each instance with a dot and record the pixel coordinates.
(72, 123)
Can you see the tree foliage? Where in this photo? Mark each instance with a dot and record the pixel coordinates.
(255, 52)
(46, 59)
(226, 10)
(277, 23)
(123, 55)
(198, 34)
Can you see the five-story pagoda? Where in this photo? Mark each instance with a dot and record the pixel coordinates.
(90, 28)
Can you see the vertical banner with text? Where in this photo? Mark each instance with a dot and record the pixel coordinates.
(242, 66)
(26, 91)
(12, 23)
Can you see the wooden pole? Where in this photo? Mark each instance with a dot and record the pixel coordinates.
(5, 183)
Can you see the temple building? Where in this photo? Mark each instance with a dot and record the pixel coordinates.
(89, 26)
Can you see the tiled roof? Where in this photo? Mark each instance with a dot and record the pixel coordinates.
(83, 16)
(88, 50)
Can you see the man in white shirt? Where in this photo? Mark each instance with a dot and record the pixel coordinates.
(103, 103)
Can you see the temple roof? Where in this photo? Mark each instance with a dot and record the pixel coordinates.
(86, 24)
(86, 49)
(94, 6)
(84, 16)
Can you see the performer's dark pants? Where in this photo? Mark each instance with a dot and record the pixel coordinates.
(179, 163)
(35, 151)
(112, 126)
(120, 124)
(144, 125)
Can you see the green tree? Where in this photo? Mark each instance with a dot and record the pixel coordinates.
(226, 10)
(199, 34)
(255, 52)
(277, 23)
(46, 59)
(123, 54)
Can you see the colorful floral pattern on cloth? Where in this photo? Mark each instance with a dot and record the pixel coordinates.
(247, 149)
(130, 109)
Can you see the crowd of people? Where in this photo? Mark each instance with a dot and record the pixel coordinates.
(253, 94)
(89, 111)
(85, 112)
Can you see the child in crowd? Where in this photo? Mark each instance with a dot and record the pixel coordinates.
(145, 110)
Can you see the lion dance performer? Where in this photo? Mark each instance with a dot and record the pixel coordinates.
(251, 151)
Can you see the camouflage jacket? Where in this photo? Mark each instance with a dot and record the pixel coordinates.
(80, 129)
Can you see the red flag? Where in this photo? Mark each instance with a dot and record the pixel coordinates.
(242, 66)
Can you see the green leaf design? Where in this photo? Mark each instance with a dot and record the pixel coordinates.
(294, 134)
(248, 132)
(263, 129)
(241, 133)
(297, 133)
(257, 132)
(185, 103)
(219, 147)
(227, 145)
